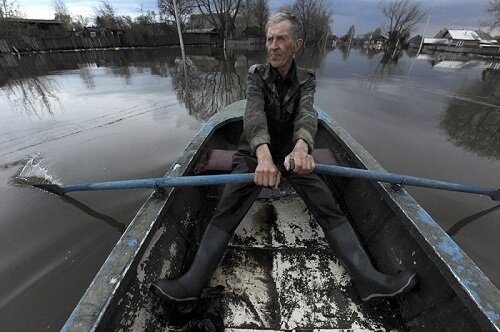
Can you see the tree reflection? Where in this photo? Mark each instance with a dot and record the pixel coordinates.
(206, 84)
(473, 123)
(30, 88)
(207, 81)
(311, 57)
(86, 76)
(32, 95)
(389, 61)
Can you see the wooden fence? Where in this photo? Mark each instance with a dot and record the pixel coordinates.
(31, 44)
(490, 51)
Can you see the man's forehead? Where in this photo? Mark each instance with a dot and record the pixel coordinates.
(282, 28)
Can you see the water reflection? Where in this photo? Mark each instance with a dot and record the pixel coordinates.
(310, 57)
(468, 220)
(473, 123)
(206, 82)
(120, 227)
(27, 90)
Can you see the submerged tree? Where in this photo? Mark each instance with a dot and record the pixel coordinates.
(403, 15)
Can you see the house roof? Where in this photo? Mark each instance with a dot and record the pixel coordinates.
(435, 40)
(477, 35)
(464, 34)
(485, 37)
(379, 37)
(31, 20)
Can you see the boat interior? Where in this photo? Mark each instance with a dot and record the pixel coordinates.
(278, 272)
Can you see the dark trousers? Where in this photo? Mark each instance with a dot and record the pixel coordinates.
(237, 198)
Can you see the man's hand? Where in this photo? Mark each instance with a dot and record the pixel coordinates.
(266, 173)
(302, 160)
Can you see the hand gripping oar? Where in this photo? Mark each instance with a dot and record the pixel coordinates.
(199, 180)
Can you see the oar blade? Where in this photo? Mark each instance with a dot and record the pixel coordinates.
(496, 195)
(52, 188)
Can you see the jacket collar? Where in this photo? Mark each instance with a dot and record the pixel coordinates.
(301, 76)
(291, 76)
(270, 74)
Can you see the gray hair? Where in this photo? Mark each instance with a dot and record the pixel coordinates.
(296, 24)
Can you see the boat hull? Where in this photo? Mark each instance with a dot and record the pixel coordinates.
(278, 271)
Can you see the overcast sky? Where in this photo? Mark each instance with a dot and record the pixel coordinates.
(364, 14)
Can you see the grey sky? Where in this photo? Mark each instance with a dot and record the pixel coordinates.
(364, 14)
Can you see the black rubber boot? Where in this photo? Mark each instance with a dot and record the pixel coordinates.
(189, 286)
(369, 282)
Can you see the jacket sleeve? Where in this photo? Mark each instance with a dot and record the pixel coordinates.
(306, 120)
(254, 120)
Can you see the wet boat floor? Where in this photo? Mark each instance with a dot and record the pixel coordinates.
(280, 274)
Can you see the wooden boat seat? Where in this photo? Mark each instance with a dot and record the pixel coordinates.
(220, 161)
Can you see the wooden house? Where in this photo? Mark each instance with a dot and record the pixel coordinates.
(461, 38)
(252, 32)
(21, 27)
(378, 41)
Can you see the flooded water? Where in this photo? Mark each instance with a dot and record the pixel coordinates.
(97, 116)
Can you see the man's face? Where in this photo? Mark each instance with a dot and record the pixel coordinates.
(281, 46)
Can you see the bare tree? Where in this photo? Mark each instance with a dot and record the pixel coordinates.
(316, 17)
(10, 8)
(62, 15)
(246, 12)
(106, 17)
(255, 13)
(80, 22)
(403, 15)
(261, 12)
(350, 33)
(221, 14)
(494, 8)
(167, 12)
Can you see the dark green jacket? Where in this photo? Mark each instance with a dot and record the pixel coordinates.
(262, 97)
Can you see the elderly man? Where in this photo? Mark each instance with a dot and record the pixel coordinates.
(278, 132)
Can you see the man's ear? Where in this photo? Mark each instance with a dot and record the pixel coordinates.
(298, 44)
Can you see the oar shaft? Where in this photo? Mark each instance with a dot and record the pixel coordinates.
(404, 180)
(197, 180)
(201, 180)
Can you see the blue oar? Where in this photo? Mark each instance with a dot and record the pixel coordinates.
(199, 180)
(405, 180)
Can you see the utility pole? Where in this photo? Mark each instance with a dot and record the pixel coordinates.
(177, 20)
